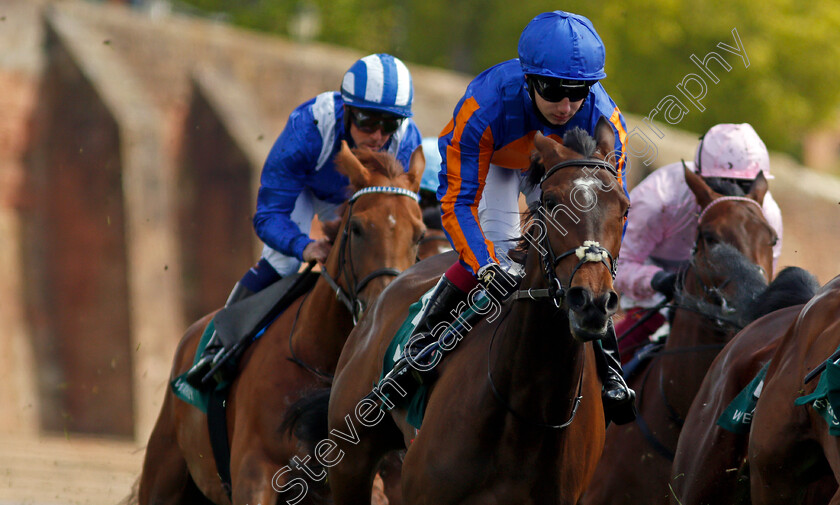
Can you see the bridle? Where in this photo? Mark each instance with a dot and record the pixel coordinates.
(350, 298)
(590, 252)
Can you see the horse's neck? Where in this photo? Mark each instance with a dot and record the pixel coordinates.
(322, 327)
(537, 357)
(693, 343)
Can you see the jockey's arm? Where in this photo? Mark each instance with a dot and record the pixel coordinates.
(281, 182)
(464, 170)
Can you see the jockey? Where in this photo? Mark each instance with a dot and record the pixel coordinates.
(553, 87)
(299, 178)
(663, 225)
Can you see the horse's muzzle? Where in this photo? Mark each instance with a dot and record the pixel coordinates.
(589, 314)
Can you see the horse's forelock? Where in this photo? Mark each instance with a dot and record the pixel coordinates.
(579, 141)
(380, 162)
(576, 139)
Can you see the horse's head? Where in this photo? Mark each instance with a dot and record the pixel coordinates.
(730, 217)
(734, 242)
(577, 227)
(380, 227)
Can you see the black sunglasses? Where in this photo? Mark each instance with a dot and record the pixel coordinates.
(369, 123)
(555, 90)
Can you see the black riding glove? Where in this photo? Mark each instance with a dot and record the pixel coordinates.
(498, 283)
(665, 283)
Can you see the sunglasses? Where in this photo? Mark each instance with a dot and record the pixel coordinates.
(369, 123)
(555, 90)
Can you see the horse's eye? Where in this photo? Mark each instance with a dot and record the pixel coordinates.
(709, 238)
(420, 237)
(356, 227)
(549, 203)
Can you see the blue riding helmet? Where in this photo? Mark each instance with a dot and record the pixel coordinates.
(562, 45)
(379, 82)
(429, 181)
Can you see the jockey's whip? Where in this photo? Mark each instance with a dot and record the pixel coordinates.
(818, 370)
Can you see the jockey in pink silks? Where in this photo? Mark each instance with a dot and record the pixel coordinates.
(663, 222)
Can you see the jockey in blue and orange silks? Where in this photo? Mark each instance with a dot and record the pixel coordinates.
(551, 88)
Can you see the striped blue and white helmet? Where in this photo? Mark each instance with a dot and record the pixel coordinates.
(379, 82)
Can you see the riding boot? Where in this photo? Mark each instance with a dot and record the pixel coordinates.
(441, 308)
(618, 399)
(213, 349)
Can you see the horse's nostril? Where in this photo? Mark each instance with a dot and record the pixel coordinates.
(577, 298)
(612, 303)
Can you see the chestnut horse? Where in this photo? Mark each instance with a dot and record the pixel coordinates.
(790, 446)
(515, 415)
(381, 226)
(710, 462)
(732, 254)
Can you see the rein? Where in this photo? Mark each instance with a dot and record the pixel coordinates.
(590, 252)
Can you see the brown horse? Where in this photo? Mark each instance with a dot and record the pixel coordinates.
(381, 230)
(515, 415)
(790, 446)
(734, 242)
(710, 462)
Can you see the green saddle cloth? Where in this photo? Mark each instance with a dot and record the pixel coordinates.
(825, 397)
(415, 401)
(183, 389)
(737, 417)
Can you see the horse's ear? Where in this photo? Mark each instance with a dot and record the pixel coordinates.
(545, 146)
(350, 166)
(759, 188)
(702, 192)
(605, 140)
(416, 166)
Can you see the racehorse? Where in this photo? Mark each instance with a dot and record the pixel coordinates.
(515, 414)
(790, 446)
(731, 260)
(381, 228)
(710, 463)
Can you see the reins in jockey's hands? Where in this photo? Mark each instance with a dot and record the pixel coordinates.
(317, 250)
(497, 282)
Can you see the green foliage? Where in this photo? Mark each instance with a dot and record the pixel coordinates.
(788, 89)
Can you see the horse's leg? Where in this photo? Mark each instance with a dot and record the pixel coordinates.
(390, 469)
(165, 479)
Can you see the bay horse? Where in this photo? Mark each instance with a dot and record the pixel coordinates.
(710, 463)
(731, 262)
(515, 415)
(381, 230)
(790, 446)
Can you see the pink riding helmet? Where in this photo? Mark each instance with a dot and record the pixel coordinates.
(732, 150)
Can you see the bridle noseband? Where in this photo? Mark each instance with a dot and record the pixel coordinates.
(351, 299)
(590, 251)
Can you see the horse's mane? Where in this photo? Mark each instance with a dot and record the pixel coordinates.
(744, 275)
(576, 139)
(793, 286)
